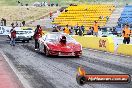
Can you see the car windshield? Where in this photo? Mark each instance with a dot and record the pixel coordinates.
(52, 37)
(58, 36)
(21, 32)
(28, 29)
(68, 38)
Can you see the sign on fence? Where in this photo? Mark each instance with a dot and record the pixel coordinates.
(6, 30)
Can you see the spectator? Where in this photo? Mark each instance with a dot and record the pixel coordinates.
(55, 30)
(66, 10)
(43, 3)
(16, 24)
(50, 15)
(71, 31)
(90, 31)
(101, 17)
(13, 36)
(95, 28)
(3, 21)
(46, 4)
(114, 29)
(37, 35)
(26, 4)
(23, 23)
(59, 27)
(80, 32)
(57, 4)
(66, 30)
(120, 19)
(107, 18)
(126, 34)
(12, 24)
(20, 24)
(82, 28)
(0, 23)
(76, 28)
(52, 4)
(18, 2)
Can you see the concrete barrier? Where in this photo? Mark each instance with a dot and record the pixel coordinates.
(99, 43)
(125, 49)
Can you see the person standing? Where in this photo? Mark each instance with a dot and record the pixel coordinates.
(23, 23)
(76, 28)
(2, 22)
(90, 31)
(95, 29)
(82, 28)
(37, 35)
(72, 31)
(50, 15)
(16, 24)
(66, 30)
(55, 29)
(126, 34)
(12, 24)
(80, 32)
(13, 36)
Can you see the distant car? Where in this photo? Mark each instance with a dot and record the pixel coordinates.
(51, 45)
(22, 35)
(30, 32)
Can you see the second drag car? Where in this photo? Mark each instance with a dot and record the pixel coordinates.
(23, 35)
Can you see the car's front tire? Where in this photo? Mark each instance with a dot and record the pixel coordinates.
(46, 51)
(27, 41)
(31, 38)
(77, 56)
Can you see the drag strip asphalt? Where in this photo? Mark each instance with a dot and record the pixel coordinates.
(60, 72)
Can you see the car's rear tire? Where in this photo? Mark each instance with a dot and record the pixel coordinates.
(23, 41)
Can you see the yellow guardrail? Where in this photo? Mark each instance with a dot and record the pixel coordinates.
(125, 49)
(99, 43)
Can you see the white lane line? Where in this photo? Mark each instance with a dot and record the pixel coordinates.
(23, 81)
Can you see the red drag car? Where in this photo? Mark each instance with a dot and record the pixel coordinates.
(59, 44)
